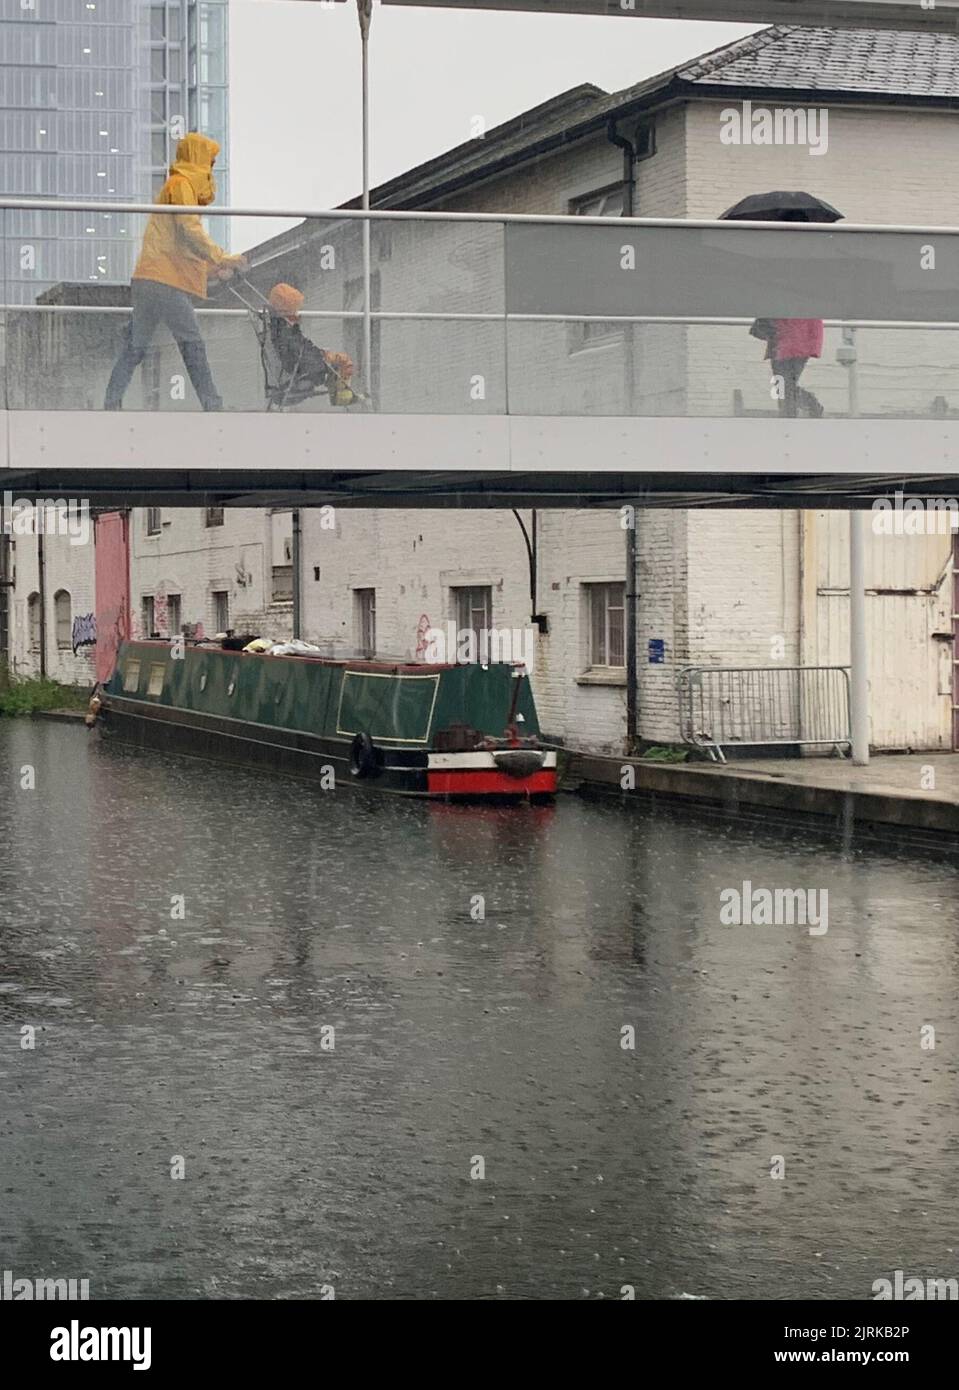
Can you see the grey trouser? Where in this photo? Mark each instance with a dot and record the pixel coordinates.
(154, 304)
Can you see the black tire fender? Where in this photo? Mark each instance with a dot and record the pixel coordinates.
(363, 760)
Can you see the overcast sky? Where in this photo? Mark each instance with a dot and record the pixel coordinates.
(295, 84)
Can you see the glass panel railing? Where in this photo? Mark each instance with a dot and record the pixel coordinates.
(286, 330)
(718, 370)
(478, 316)
(577, 266)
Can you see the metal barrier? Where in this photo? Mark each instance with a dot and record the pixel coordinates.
(743, 706)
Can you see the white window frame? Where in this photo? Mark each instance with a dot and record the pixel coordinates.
(593, 590)
(64, 630)
(464, 608)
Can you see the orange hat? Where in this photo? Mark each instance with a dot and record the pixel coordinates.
(285, 301)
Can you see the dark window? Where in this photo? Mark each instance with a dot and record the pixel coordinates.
(153, 521)
(213, 516)
(33, 621)
(364, 604)
(221, 610)
(282, 583)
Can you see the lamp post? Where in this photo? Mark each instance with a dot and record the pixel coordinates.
(858, 647)
(364, 10)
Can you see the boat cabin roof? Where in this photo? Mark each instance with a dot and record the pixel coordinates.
(394, 668)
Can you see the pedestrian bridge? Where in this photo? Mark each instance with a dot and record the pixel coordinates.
(504, 361)
(935, 15)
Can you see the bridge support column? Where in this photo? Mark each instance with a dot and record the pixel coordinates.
(859, 673)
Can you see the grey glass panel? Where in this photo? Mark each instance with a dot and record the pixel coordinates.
(103, 45)
(596, 270)
(26, 43)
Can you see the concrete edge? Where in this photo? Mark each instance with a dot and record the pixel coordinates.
(729, 790)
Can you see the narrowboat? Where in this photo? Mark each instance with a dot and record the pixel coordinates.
(415, 729)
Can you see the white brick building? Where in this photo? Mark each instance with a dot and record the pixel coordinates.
(714, 587)
(55, 618)
(208, 569)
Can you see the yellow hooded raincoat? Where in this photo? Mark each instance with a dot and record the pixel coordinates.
(176, 251)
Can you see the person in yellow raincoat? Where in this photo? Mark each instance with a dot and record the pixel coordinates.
(175, 259)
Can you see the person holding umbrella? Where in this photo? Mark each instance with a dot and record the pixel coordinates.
(789, 342)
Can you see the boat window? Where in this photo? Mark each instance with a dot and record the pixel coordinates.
(155, 684)
(231, 687)
(399, 708)
(203, 681)
(131, 676)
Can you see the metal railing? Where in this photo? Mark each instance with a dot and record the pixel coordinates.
(515, 314)
(763, 706)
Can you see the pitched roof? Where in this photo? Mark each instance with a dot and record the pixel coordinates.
(845, 64)
(880, 61)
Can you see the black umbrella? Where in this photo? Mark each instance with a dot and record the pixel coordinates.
(782, 207)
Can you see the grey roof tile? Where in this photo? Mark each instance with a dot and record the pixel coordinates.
(879, 61)
(899, 64)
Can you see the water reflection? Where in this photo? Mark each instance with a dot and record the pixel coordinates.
(202, 1034)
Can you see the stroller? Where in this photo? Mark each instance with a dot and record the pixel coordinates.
(291, 378)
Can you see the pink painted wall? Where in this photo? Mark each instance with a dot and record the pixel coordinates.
(112, 538)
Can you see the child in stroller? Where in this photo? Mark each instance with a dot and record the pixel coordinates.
(294, 367)
(302, 361)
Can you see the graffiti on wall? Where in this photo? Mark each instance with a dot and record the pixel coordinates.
(423, 629)
(84, 631)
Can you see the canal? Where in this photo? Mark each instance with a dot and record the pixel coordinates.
(404, 1050)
